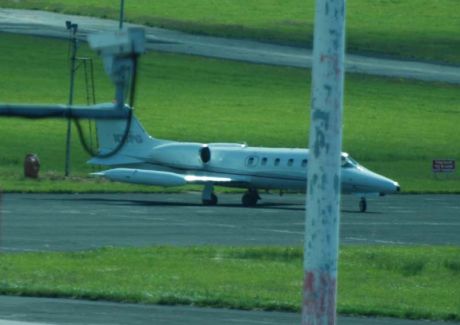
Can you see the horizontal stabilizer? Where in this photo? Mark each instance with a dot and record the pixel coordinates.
(115, 160)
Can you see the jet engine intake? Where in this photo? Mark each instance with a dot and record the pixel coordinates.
(205, 154)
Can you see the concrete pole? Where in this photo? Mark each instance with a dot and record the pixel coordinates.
(324, 179)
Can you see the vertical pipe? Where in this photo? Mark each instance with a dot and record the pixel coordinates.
(122, 12)
(120, 90)
(324, 180)
(73, 59)
(1, 220)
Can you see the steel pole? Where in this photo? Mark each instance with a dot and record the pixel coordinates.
(324, 179)
(73, 58)
(122, 12)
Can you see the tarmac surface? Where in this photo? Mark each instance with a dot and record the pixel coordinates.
(43, 222)
(40, 311)
(50, 24)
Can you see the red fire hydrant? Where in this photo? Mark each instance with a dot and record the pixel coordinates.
(31, 165)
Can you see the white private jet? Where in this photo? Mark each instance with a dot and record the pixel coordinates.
(147, 160)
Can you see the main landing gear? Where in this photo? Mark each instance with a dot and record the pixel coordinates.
(250, 198)
(211, 201)
(362, 204)
(208, 197)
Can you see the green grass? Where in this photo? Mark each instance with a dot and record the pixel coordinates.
(404, 282)
(422, 29)
(395, 127)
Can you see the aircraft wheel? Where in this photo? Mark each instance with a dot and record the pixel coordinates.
(363, 205)
(249, 199)
(212, 201)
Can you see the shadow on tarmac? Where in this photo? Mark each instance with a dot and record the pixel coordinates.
(263, 205)
(359, 212)
(127, 202)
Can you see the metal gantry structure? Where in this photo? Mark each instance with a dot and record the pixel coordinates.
(73, 28)
(120, 51)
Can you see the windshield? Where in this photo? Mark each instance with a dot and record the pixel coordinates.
(348, 162)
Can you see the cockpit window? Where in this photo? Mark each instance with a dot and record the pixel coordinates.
(348, 162)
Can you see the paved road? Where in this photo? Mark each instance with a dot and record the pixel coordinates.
(73, 222)
(52, 24)
(40, 311)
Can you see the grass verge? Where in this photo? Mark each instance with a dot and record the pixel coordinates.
(422, 29)
(404, 282)
(395, 127)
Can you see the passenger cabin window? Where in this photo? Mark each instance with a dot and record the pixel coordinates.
(304, 163)
(290, 162)
(251, 161)
(277, 162)
(264, 161)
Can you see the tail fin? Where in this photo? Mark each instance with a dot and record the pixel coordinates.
(135, 149)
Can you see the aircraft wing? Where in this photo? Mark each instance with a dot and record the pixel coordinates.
(160, 178)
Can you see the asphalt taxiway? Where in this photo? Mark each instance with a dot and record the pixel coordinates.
(42, 311)
(41, 222)
(51, 24)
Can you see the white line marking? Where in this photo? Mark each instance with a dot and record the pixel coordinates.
(12, 322)
(282, 231)
(378, 241)
(438, 224)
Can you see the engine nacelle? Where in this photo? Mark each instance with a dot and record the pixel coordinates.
(181, 155)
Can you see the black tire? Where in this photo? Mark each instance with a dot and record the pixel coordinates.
(212, 201)
(249, 200)
(363, 205)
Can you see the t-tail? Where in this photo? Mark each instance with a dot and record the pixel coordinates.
(135, 149)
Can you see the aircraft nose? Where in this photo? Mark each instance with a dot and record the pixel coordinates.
(382, 184)
(389, 186)
(363, 180)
